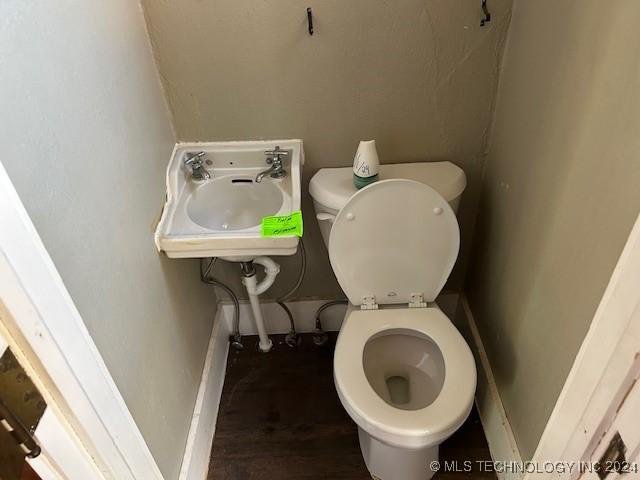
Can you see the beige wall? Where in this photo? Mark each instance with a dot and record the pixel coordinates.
(561, 192)
(86, 136)
(417, 75)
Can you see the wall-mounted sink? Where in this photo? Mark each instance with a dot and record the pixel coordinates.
(221, 216)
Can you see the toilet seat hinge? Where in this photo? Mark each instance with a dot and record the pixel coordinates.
(417, 301)
(369, 303)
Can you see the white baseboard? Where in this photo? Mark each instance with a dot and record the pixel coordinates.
(195, 464)
(497, 429)
(276, 320)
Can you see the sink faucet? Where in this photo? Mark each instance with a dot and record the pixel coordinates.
(274, 158)
(198, 172)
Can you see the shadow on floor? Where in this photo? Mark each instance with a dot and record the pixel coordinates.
(280, 418)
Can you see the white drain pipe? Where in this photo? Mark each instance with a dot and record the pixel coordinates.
(254, 289)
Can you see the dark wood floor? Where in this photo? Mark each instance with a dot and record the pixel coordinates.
(280, 418)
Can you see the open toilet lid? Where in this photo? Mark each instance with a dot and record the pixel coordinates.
(394, 239)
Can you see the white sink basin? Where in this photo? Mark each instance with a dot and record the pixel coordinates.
(233, 203)
(221, 217)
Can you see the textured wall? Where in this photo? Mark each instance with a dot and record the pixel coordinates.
(417, 75)
(86, 135)
(560, 194)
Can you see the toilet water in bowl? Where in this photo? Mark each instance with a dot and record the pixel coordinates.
(399, 391)
(406, 369)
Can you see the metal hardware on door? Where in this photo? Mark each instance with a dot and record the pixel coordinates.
(18, 432)
(613, 459)
(487, 14)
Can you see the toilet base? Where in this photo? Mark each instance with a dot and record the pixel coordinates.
(385, 462)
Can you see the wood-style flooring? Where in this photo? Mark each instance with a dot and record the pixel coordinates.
(280, 419)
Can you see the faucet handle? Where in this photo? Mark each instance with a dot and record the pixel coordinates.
(277, 152)
(194, 159)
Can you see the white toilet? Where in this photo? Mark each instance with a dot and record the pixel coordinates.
(402, 370)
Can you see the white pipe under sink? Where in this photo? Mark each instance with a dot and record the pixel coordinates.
(254, 289)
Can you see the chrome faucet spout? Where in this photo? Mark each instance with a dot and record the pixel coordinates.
(274, 158)
(264, 173)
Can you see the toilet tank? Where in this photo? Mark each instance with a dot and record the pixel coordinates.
(331, 188)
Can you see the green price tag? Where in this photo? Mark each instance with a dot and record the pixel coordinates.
(282, 226)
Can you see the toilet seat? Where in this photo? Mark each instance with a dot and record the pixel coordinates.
(393, 425)
(395, 241)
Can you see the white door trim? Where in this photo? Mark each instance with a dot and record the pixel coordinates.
(60, 453)
(3, 345)
(63, 455)
(616, 314)
(43, 317)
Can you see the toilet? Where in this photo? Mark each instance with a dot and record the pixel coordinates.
(402, 371)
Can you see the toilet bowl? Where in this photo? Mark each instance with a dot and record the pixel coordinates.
(402, 370)
(407, 378)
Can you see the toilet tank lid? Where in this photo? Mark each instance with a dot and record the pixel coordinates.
(333, 187)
